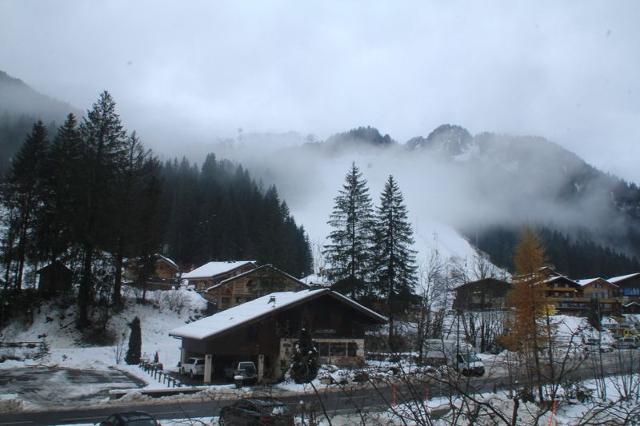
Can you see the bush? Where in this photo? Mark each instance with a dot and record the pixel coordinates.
(135, 343)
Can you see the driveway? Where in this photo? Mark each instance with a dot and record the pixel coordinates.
(54, 387)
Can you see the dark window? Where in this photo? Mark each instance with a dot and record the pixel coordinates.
(338, 349)
(323, 348)
(352, 349)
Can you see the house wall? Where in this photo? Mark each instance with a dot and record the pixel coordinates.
(164, 270)
(203, 283)
(630, 288)
(328, 320)
(487, 294)
(251, 286)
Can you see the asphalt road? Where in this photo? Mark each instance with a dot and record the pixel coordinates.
(333, 401)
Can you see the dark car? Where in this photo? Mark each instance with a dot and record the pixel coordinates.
(132, 418)
(253, 411)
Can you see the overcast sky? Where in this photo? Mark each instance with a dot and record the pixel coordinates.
(184, 71)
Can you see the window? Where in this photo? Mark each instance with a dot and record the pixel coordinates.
(338, 349)
(323, 348)
(352, 349)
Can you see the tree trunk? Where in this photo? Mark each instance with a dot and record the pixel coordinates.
(85, 287)
(117, 284)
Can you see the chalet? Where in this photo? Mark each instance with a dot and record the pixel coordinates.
(488, 294)
(212, 273)
(264, 330)
(601, 291)
(164, 275)
(629, 285)
(250, 285)
(565, 295)
(54, 278)
(629, 292)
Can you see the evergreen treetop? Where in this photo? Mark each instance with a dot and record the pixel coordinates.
(349, 249)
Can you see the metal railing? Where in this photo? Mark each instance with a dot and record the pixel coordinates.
(155, 370)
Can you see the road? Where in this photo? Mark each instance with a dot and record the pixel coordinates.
(333, 401)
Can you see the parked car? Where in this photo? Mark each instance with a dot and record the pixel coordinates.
(596, 345)
(246, 369)
(193, 367)
(137, 418)
(253, 411)
(626, 343)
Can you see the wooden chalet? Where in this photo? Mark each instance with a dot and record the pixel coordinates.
(565, 295)
(598, 290)
(629, 292)
(265, 330)
(212, 273)
(250, 285)
(164, 275)
(54, 278)
(488, 294)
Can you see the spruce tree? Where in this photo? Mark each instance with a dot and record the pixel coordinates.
(24, 194)
(135, 343)
(104, 148)
(394, 259)
(348, 252)
(64, 177)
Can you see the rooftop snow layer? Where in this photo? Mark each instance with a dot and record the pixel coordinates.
(253, 309)
(586, 281)
(214, 268)
(622, 277)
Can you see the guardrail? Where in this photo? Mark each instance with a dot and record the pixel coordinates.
(40, 348)
(155, 370)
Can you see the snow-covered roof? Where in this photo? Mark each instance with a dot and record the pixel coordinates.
(560, 278)
(169, 261)
(254, 309)
(235, 277)
(212, 269)
(587, 281)
(315, 279)
(622, 277)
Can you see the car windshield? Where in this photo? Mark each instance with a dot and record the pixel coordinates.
(247, 366)
(139, 420)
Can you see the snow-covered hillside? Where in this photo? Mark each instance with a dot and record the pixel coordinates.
(164, 311)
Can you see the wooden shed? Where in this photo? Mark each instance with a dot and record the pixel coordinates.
(54, 278)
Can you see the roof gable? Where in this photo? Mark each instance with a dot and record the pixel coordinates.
(211, 269)
(623, 277)
(258, 308)
(255, 270)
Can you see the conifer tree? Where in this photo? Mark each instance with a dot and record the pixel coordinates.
(104, 143)
(135, 343)
(64, 174)
(24, 194)
(394, 260)
(348, 252)
(304, 360)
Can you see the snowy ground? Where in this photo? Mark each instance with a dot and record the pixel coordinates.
(166, 310)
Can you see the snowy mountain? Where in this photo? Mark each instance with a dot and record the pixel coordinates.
(18, 98)
(466, 190)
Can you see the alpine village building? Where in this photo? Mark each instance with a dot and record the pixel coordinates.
(612, 296)
(264, 330)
